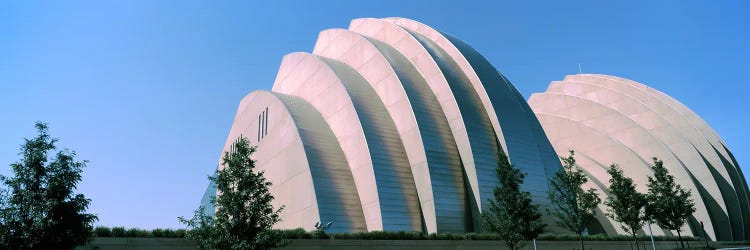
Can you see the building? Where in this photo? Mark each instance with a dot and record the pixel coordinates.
(392, 125)
(608, 119)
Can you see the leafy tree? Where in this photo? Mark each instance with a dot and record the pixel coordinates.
(669, 204)
(41, 210)
(625, 203)
(202, 229)
(511, 214)
(573, 206)
(244, 215)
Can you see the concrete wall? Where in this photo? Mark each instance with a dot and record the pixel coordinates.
(107, 243)
(164, 244)
(478, 245)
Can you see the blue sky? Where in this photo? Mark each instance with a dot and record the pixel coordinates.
(147, 91)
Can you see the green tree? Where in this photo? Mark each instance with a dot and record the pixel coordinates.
(669, 204)
(625, 203)
(41, 209)
(511, 214)
(573, 206)
(244, 214)
(201, 229)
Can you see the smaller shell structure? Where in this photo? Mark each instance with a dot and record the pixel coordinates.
(608, 119)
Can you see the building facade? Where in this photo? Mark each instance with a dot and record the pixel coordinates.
(392, 125)
(611, 120)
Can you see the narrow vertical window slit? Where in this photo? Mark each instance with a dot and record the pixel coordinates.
(265, 131)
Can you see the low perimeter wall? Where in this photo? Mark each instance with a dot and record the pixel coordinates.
(104, 243)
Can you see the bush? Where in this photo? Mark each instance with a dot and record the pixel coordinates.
(121, 232)
(158, 233)
(481, 236)
(380, 235)
(167, 233)
(137, 233)
(118, 232)
(102, 232)
(603, 237)
(299, 233)
(170, 233)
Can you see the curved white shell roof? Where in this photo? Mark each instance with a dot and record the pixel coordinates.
(393, 125)
(410, 117)
(615, 120)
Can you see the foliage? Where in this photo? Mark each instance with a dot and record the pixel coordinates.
(670, 205)
(320, 230)
(168, 233)
(160, 233)
(41, 209)
(625, 203)
(299, 233)
(244, 215)
(511, 214)
(404, 235)
(380, 235)
(202, 229)
(101, 231)
(136, 233)
(603, 237)
(118, 232)
(573, 206)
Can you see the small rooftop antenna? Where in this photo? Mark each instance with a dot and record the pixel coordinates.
(579, 68)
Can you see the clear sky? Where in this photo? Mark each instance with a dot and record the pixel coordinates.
(147, 90)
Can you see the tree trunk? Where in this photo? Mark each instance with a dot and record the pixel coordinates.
(680, 238)
(635, 240)
(580, 238)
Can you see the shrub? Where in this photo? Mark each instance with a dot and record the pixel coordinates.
(102, 232)
(180, 233)
(168, 233)
(118, 232)
(481, 236)
(445, 236)
(603, 237)
(158, 233)
(137, 233)
(320, 231)
(299, 233)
